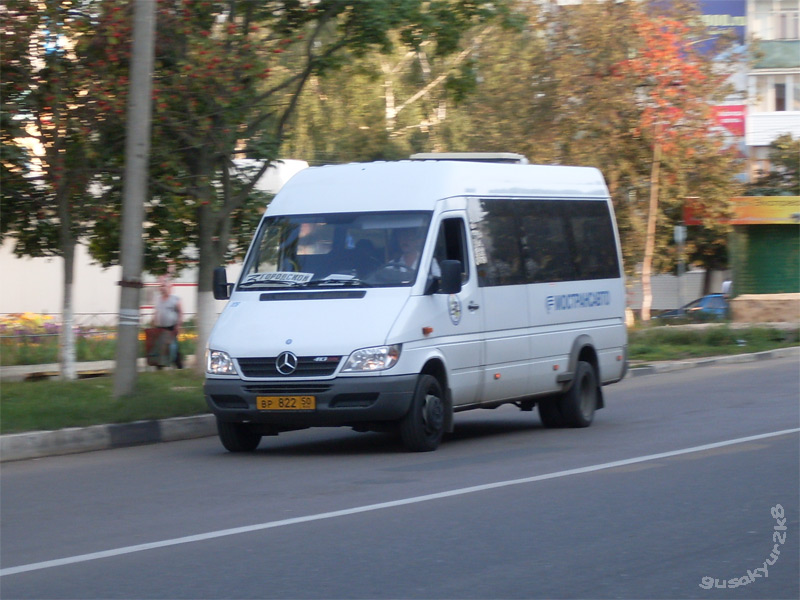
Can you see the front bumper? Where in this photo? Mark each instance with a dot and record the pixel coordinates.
(340, 401)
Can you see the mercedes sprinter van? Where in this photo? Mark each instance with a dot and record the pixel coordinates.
(392, 295)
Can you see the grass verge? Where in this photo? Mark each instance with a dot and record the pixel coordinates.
(48, 405)
(678, 343)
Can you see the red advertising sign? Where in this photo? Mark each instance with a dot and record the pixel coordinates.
(731, 117)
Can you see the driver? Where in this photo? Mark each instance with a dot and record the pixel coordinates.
(409, 242)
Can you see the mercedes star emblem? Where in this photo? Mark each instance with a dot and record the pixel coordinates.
(286, 363)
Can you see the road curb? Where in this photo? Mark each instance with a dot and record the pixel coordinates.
(668, 367)
(40, 444)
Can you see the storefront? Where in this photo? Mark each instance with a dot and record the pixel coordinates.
(764, 248)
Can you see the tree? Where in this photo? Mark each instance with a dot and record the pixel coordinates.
(228, 78)
(385, 106)
(51, 156)
(675, 109)
(599, 84)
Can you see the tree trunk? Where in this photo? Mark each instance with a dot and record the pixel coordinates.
(650, 238)
(388, 96)
(66, 341)
(137, 154)
(208, 260)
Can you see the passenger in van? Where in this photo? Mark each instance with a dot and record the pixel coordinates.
(365, 258)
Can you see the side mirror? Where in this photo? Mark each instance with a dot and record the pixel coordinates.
(450, 282)
(221, 287)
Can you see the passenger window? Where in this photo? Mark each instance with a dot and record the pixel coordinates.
(548, 241)
(595, 248)
(452, 245)
(497, 244)
(539, 241)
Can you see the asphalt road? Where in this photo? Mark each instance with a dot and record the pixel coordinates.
(685, 481)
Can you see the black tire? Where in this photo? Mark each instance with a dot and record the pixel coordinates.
(237, 437)
(550, 413)
(576, 406)
(422, 428)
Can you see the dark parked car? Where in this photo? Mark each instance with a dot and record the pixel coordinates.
(712, 307)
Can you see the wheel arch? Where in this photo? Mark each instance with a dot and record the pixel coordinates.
(583, 350)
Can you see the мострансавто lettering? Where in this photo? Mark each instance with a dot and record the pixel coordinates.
(579, 300)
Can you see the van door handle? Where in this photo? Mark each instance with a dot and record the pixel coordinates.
(473, 307)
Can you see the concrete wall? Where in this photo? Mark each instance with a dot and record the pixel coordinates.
(669, 292)
(766, 308)
(36, 285)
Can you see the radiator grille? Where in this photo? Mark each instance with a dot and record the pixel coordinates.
(307, 366)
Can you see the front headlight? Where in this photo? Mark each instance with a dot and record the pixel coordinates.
(219, 363)
(379, 358)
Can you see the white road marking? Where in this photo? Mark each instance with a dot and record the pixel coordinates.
(190, 539)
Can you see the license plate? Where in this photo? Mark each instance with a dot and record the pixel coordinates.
(286, 402)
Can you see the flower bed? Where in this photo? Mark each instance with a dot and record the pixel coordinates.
(30, 338)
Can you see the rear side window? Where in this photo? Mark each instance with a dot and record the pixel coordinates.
(498, 246)
(539, 241)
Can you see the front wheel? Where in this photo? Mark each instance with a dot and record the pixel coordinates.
(422, 428)
(237, 437)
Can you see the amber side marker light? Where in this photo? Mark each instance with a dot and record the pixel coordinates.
(427, 330)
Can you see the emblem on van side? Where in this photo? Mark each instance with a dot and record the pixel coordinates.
(454, 307)
(286, 363)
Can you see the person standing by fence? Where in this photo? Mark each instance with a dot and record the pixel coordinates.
(167, 318)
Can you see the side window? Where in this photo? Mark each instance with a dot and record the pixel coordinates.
(540, 241)
(452, 245)
(716, 303)
(595, 247)
(549, 244)
(497, 243)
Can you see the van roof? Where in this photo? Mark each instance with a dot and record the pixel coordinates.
(418, 184)
(496, 157)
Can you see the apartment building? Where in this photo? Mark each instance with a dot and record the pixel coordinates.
(773, 81)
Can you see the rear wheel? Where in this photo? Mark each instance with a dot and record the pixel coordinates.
(550, 412)
(422, 428)
(237, 437)
(576, 406)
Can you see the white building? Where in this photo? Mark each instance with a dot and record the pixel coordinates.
(36, 284)
(773, 86)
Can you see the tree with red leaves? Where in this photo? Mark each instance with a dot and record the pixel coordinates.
(674, 109)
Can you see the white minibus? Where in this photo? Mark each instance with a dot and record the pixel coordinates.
(391, 295)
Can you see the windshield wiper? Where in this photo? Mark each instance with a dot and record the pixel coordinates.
(338, 281)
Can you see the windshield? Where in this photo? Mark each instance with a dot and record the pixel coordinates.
(350, 249)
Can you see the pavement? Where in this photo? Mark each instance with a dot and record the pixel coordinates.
(40, 444)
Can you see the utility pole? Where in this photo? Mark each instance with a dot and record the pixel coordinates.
(137, 155)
